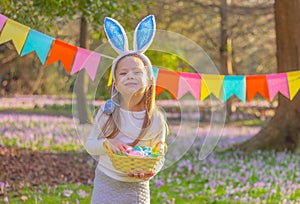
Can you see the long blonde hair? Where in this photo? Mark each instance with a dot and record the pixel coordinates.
(110, 128)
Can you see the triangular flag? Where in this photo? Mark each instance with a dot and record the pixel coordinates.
(63, 52)
(189, 82)
(212, 84)
(167, 80)
(235, 85)
(88, 60)
(294, 83)
(3, 20)
(38, 42)
(155, 73)
(110, 78)
(16, 32)
(256, 84)
(278, 83)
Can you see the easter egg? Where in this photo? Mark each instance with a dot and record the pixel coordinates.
(137, 148)
(154, 155)
(137, 153)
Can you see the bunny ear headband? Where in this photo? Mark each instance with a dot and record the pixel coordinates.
(143, 36)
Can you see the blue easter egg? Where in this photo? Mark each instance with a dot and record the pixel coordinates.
(137, 148)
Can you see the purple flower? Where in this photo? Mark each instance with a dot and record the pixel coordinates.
(82, 193)
(159, 183)
(259, 184)
(68, 193)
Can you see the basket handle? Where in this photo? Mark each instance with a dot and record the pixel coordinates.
(107, 147)
(165, 146)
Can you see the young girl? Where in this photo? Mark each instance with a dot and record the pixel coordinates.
(130, 118)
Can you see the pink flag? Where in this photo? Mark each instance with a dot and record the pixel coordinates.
(278, 83)
(88, 60)
(2, 21)
(189, 82)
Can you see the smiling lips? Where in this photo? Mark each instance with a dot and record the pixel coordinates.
(130, 84)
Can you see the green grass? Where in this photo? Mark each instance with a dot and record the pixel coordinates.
(252, 123)
(52, 194)
(47, 109)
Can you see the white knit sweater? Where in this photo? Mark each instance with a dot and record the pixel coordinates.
(130, 127)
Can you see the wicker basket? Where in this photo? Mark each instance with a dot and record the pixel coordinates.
(127, 164)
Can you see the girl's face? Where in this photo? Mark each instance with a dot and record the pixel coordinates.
(131, 76)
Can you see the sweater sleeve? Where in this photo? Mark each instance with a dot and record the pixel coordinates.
(159, 142)
(94, 144)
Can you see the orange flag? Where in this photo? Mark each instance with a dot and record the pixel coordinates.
(63, 52)
(167, 80)
(257, 84)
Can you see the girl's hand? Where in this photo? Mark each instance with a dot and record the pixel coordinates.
(118, 146)
(141, 174)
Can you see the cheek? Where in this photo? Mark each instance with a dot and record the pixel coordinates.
(145, 80)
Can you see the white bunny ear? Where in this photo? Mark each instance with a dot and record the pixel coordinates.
(116, 35)
(144, 34)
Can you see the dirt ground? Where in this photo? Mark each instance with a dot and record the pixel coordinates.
(27, 168)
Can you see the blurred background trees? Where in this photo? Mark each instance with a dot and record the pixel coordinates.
(238, 35)
(249, 47)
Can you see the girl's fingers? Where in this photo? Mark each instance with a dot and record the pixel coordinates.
(142, 175)
(135, 173)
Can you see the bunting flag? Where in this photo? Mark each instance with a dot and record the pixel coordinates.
(167, 80)
(234, 85)
(63, 52)
(16, 32)
(189, 82)
(256, 84)
(88, 60)
(42, 48)
(278, 83)
(155, 73)
(212, 84)
(3, 20)
(74, 59)
(294, 83)
(110, 78)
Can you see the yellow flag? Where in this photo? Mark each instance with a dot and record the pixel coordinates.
(109, 83)
(16, 32)
(212, 84)
(294, 83)
(204, 93)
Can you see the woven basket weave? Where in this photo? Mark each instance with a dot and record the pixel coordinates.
(127, 164)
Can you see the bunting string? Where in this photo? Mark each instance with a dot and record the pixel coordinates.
(50, 50)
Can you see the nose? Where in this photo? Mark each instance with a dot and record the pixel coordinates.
(129, 75)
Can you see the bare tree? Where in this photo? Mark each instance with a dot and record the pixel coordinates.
(283, 131)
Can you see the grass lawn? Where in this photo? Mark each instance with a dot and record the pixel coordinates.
(222, 177)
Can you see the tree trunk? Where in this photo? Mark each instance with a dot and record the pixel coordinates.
(224, 47)
(81, 90)
(283, 131)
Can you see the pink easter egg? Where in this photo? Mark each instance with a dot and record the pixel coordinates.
(136, 153)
